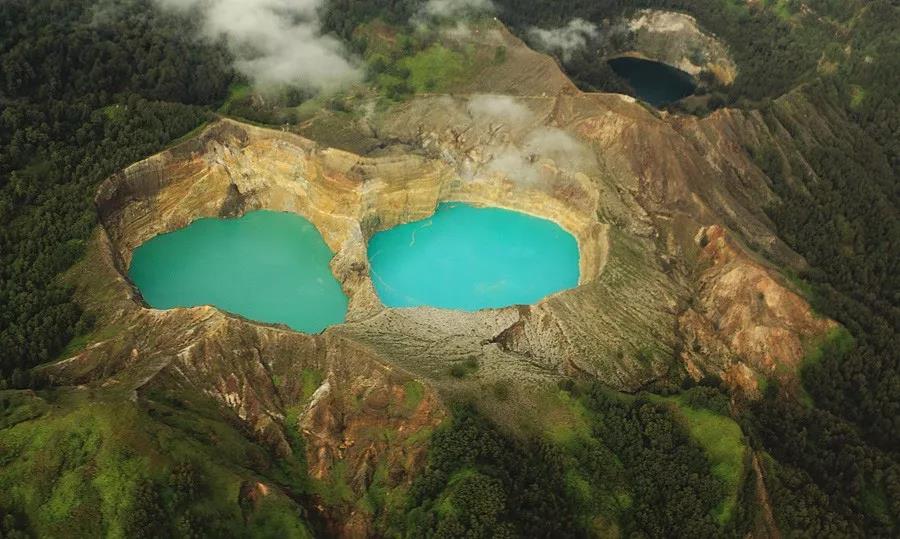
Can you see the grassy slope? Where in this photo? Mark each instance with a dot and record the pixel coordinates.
(436, 67)
(722, 441)
(567, 422)
(74, 463)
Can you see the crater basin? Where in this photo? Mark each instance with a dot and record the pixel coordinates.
(266, 266)
(654, 82)
(469, 258)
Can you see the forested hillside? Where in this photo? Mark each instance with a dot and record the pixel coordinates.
(84, 91)
(843, 217)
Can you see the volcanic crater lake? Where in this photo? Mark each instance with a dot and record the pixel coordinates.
(266, 266)
(654, 82)
(469, 258)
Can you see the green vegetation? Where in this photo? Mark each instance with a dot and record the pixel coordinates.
(414, 63)
(413, 391)
(83, 96)
(464, 368)
(81, 340)
(857, 97)
(381, 499)
(608, 462)
(75, 464)
(823, 478)
(334, 489)
(237, 92)
(103, 110)
(343, 17)
(563, 417)
(784, 9)
(839, 342)
(434, 68)
(310, 380)
(722, 441)
(842, 216)
(771, 53)
(834, 464)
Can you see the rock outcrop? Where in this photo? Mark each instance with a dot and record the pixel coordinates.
(676, 39)
(743, 316)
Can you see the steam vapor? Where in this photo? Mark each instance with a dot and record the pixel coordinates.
(454, 8)
(501, 108)
(524, 163)
(275, 43)
(565, 40)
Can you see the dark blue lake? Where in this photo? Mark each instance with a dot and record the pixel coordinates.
(654, 82)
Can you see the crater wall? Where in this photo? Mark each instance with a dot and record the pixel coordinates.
(677, 40)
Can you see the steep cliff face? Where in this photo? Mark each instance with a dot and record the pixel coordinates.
(662, 207)
(744, 316)
(677, 40)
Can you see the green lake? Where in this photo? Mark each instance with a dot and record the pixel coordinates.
(470, 258)
(266, 266)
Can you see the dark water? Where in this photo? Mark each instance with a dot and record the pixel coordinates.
(266, 266)
(469, 258)
(655, 83)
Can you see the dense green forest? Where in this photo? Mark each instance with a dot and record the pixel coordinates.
(772, 57)
(773, 53)
(835, 469)
(651, 466)
(629, 466)
(84, 92)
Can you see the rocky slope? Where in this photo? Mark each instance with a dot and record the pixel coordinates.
(677, 274)
(332, 392)
(677, 40)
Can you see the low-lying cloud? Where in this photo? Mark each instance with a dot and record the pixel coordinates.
(444, 9)
(526, 164)
(565, 40)
(516, 165)
(501, 108)
(557, 145)
(531, 152)
(275, 43)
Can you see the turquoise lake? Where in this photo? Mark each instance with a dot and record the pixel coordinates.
(265, 266)
(654, 82)
(469, 258)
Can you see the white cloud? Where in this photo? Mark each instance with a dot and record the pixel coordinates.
(275, 42)
(516, 165)
(454, 8)
(526, 164)
(500, 108)
(556, 144)
(565, 40)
